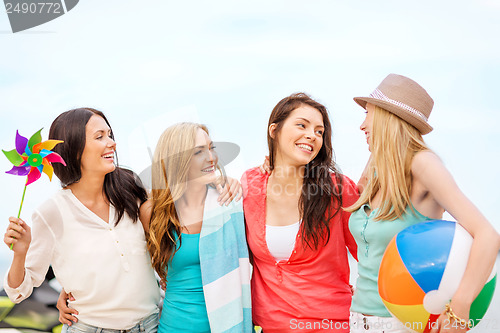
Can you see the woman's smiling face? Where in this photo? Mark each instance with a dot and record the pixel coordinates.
(204, 161)
(301, 136)
(99, 153)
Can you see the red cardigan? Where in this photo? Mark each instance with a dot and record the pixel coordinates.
(311, 289)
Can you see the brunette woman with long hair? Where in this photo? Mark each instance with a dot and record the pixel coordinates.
(89, 233)
(296, 228)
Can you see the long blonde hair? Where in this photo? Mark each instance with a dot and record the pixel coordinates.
(172, 157)
(394, 144)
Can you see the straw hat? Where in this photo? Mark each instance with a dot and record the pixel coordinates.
(403, 97)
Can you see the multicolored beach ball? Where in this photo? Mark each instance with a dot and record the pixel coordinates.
(421, 270)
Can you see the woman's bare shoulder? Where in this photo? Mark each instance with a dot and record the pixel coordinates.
(145, 212)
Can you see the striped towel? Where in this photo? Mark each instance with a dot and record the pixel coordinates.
(225, 266)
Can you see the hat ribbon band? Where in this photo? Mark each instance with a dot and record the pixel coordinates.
(380, 95)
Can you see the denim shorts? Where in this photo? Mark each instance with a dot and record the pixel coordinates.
(146, 325)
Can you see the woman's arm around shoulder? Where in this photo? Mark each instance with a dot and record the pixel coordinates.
(231, 190)
(349, 196)
(350, 191)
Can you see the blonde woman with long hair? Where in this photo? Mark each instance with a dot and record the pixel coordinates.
(405, 183)
(197, 246)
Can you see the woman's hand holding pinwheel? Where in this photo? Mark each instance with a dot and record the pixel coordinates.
(18, 235)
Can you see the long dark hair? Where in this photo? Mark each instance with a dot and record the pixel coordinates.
(320, 198)
(122, 187)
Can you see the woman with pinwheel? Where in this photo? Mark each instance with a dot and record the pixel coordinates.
(87, 231)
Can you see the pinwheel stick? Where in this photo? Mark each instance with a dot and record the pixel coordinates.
(22, 201)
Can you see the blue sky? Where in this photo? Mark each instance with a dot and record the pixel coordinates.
(227, 63)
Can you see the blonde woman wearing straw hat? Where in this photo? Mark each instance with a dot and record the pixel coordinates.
(405, 183)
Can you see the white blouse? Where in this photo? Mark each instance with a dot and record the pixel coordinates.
(106, 268)
(281, 240)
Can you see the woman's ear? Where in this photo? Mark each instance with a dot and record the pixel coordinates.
(272, 130)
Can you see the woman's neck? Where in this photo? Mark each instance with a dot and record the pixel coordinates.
(89, 189)
(287, 173)
(194, 196)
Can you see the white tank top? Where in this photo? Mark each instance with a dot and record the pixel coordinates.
(281, 240)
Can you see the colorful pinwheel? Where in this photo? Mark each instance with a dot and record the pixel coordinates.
(31, 158)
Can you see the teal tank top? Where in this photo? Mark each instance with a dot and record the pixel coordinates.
(372, 238)
(184, 308)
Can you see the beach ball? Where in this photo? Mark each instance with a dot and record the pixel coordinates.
(421, 270)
